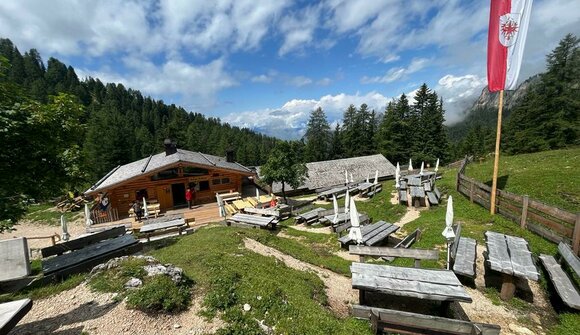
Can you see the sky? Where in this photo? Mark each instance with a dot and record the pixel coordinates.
(266, 64)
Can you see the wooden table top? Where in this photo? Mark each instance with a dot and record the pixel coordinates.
(252, 219)
(510, 255)
(430, 284)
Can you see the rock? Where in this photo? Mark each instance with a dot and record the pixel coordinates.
(259, 297)
(133, 283)
(170, 270)
(247, 307)
(264, 327)
(176, 326)
(520, 330)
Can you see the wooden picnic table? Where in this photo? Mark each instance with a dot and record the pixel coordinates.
(254, 220)
(278, 212)
(176, 222)
(373, 234)
(309, 217)
(429, 284)
(11, 312)
(511, 256)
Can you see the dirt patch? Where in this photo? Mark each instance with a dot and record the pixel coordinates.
(338, 288)
(310, 229)
(80, 309)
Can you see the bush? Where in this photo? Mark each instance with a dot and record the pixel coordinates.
(222, 294)
(160, 293)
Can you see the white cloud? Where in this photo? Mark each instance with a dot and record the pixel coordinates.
(397, 73)
(289, 121)
(324, 82)
(174, 77)
(390, 58)
(458, 93)
(298, 30)
(298, 81)
(261, 79)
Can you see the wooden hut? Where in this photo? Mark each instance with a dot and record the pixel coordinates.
(163, 178)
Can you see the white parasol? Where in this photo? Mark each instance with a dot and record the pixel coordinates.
(145, 210)
(448, 232)
(367, 178)
(257, 194)
(335, 205)
(410, 165)
(437, 165)
(376, 177)
(397, 176)
(346, 201)
(64, 225)
(221, 208)
(346, 177)
(351, 179)
(422, 167)
(354, 233)
(88, 220)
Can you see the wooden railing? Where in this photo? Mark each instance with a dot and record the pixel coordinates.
(109, 215)
(552, 223)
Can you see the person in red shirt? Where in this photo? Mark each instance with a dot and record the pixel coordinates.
(273, 201)
(189, 197)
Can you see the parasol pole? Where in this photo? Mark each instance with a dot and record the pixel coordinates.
(496, 159)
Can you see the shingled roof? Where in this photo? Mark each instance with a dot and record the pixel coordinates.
(160, 161)
(326, 174)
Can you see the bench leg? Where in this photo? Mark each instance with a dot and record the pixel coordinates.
(508, 287)
(361, 297)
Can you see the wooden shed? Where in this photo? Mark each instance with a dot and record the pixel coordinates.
(164, 178)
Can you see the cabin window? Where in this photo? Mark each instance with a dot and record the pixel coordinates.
(139, 195)
(216, 181)
(194, 171)
(225, 180)
(204, 185)
(166, 174)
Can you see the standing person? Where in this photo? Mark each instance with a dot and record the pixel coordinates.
(188, 196)
(137, 209)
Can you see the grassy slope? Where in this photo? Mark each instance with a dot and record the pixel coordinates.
(551, 177)
(294, 300)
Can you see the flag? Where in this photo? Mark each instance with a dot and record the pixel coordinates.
(508, 26)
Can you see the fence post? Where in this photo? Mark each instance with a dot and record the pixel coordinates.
(471, 191)
(576, 235)
(524, 219)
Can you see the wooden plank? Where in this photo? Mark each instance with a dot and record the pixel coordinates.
(392, 252)
(444, 277)
(382, 235)
(162, 225)
(553, 211)
(82, 242)
(557, 227)
(507, 213)
(521, 258)
(12, 312)
(94, 250)
(410, 287)
(524, 218)
(406, 322)
(562, 283)
(432, 198)
(576, 235)
(413, 181)
(417, 191)
(437, 192)
(457, 231)
(569, 257)
(545, 232)
(510, 196)
(364, 312)
(464, 261)
(498, 255)
(402, 196)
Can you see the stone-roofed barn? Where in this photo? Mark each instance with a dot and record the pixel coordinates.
(326, 174)
(164, 178)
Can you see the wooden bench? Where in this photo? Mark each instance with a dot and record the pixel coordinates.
(12, 312)
(563, 284)
(281, 211)
(152, 209)
(153, 228)
(372, 234)
(81, 254)
(309, 217)
(388, 320)
(416, 254)
(247, 220)
(463, 254)
(405, 243)
(376, 189)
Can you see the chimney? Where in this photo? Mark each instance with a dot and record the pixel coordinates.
(170, 147)
(230, 155)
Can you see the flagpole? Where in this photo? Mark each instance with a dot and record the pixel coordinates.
(496, 160)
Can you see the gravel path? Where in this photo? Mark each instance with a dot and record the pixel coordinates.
(338, 288)
(80, 309)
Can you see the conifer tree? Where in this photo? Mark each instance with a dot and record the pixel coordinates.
(318, 137)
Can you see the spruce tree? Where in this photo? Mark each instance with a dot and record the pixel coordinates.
(317, 137)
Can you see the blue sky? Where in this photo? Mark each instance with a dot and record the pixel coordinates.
(266, 64)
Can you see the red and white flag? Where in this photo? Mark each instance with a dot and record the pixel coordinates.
(508, 26)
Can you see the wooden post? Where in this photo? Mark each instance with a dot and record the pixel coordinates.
(417, 263)
(576, 235)
(496, 159)
(508, 287)
(523, 222)
(471, 191)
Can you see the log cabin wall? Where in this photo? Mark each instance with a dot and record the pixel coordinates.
(217, 180)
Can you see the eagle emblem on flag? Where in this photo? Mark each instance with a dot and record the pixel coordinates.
(509, 26)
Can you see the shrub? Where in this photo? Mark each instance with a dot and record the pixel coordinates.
(223, 293)
(160, 293)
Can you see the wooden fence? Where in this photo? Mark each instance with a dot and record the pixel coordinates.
(550, 222)
(99, 216)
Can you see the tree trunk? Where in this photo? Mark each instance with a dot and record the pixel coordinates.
(284, 193)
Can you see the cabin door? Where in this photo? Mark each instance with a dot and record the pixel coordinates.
(164, 197)
(178, 192)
